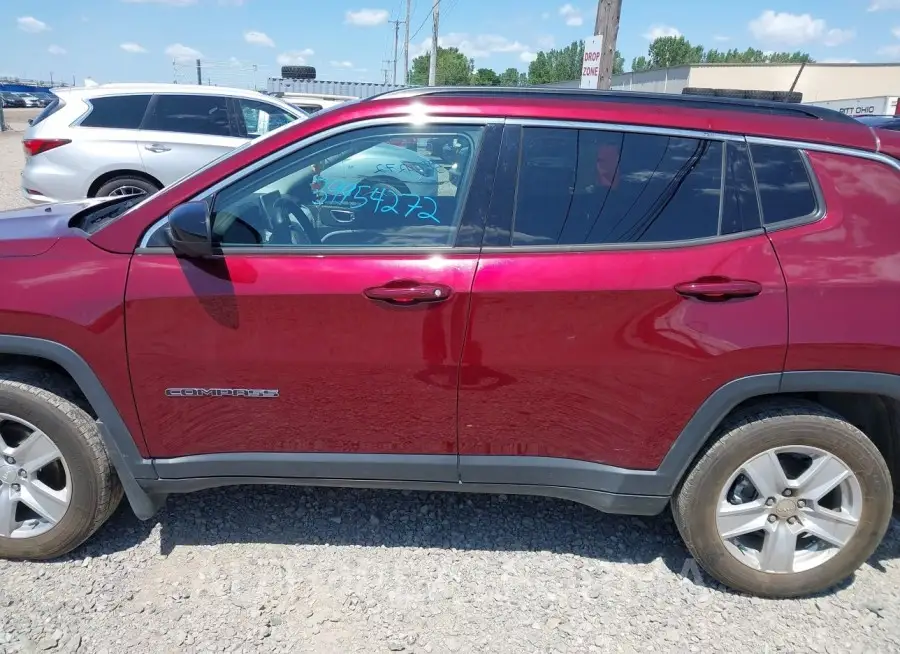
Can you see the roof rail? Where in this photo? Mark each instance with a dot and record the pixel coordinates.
(623, 97)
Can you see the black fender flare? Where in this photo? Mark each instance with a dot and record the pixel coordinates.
(120, 445)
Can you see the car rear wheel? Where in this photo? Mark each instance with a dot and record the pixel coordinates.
(789, 499)
(127, 186)
(57, 485)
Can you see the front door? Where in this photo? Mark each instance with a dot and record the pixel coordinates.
(331, 324)
(635, 280)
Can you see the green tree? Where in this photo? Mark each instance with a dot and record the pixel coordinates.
(486, 77)
(669, 51)
(563, 65)
(453, 68)
(510, 77)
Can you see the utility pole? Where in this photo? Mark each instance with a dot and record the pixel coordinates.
(406, 44)
(432, 67)
(607, 26)
(199, 73)
(385, 69)
(396, 39)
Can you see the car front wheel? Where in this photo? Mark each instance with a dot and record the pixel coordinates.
(789, 500)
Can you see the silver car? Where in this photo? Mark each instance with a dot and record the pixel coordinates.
(119, 139)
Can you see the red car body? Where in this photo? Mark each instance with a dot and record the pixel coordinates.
(564, 372)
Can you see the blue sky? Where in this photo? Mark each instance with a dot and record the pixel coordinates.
(137, 40)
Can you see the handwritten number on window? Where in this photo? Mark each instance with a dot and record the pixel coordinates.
(386, 200)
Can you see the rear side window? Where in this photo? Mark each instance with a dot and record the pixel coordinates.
(55, 105)
(190, 114)
(785, 189)
(120, 112)
(601, 187)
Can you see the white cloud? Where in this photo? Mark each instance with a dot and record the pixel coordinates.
(721, 38)
(527, 57)
(31, 25)
(883, 5)
(896, 32)
(476, 46)
(56, 50)
(572, 15)
(259, 38)
(659, 31)
(294, 57)
(171, 3)
(367, 17)
(342, 64)
(181, 52)
(134, 48)
(796, 29)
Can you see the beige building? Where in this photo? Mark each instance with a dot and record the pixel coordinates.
(817, 82)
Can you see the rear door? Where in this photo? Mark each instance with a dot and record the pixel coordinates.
(183, 132)
(625, 278)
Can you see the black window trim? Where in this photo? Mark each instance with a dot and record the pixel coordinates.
(208, 195)
(90, 108)
(813, 217)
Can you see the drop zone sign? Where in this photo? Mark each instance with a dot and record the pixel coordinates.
(590, 67)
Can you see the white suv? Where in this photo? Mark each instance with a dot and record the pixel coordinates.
(118, 139)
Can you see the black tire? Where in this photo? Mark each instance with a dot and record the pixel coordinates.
(298, 72)
(693, 90)
(95, 488)
(117, 183)
(761, 95)
(787, 96)
(751, 432)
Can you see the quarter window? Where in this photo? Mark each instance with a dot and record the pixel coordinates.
(785, 189)
(603, 187)
(190, 114)
(119, 112)
(374, 187)
(261, 117)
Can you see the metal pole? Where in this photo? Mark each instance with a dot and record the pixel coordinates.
(3, 126)
(199, 73)
(607, 25)
(406, 44)
(432, 67)
(396, 40)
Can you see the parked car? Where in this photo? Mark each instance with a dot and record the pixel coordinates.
(881, 122)
(44, 98)
(622, 304)
(29, 99)
(116, 139)
(313, 102)
(11, 100)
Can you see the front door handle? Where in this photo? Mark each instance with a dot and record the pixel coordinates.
(156, 147)
(719, 289)
(406, 292)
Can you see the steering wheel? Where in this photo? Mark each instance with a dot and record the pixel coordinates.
(283, 226)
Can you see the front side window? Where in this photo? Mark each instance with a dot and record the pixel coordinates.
(602, 187)
(357, 189)
(785, 190)
(190, 114)
(261, 117)
(119, 112)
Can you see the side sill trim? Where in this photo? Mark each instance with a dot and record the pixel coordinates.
(607, 502)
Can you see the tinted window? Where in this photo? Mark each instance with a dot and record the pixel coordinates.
(353, 190)
(262, 117)
(594, 187)
(785, 190)
(121, 112)
(740, 207)
(190, 114)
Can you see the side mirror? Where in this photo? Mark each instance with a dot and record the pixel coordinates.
(189, 230)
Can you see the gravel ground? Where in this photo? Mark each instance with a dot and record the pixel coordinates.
(328, 570)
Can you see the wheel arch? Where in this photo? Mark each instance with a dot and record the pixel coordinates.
(869, 400)
(119, 443)
(124, 172)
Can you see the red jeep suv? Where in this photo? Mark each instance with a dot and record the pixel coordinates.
(626, 300)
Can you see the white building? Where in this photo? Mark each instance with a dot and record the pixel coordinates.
(817, 82)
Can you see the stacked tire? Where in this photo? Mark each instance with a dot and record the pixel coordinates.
(748, 94)
(298, 72)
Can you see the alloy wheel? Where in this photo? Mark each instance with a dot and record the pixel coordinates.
(789, 509)
(35, 484)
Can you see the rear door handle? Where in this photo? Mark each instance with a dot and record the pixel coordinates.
(156, 147)
(405, 292)
(719, 289)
